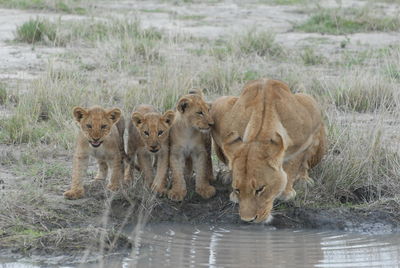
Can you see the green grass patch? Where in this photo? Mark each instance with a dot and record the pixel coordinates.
(348, 20)
(261, 43)
(310, 57)
(66, 6)
(36, 30)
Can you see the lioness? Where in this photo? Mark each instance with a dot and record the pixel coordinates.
(191, 143)
(149, 135)
(269, 138)
(101, 136)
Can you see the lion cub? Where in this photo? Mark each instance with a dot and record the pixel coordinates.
(101, 136)
(191, 142)
(149, 135)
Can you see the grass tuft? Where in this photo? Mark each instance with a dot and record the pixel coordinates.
(36, 30)
(348, 20)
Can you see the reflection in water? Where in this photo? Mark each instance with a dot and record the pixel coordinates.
(180, 245)
(260, 246)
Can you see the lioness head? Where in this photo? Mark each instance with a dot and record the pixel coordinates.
(257, 176)
(153, 128)
(96, 122)
(195, 110)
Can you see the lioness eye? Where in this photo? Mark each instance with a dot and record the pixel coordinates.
(200, 113)
(103, 126)
(260, 190)
(160, 132)
(146, 133)
(237, 191)
(89, 126)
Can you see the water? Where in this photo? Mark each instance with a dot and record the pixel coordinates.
(174, 245)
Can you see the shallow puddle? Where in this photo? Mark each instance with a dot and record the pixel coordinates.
(174, 245)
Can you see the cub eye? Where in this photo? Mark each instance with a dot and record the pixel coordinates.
(260, 190)
(160, 132)
(200, 113)
(89, 126)
(103, 126)
(146, 133)
(237, 191)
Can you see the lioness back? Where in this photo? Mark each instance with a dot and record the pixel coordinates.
(269, 138)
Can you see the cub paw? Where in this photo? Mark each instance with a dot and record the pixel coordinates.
(206, 191)
(113, 187)
(74, 194)
(288, 195)
(177, 194)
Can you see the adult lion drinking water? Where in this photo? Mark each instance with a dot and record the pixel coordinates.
(269, 138)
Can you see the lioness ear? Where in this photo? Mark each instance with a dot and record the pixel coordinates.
(79, 113)
(168, 117)
(137, 119)
(114, 114)
(183, 104)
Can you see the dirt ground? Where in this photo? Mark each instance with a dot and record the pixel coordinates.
(97, 219)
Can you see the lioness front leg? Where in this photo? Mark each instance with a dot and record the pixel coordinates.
(160, 181)
(203, 169)
(178, 190)
(79, 167)
(117, 174)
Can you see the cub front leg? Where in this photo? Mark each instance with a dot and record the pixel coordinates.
(177, 163)
(103, 170)
(79, 167)
(203, 169)
(160, 181)
(145, 164)
(117, 174)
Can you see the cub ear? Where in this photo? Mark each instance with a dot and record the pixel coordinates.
(168, 117)
(183, 104)
(79, 113)
(197, 91)
(114, 114)
(137, 119)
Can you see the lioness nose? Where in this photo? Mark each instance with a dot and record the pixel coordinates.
(249, 219)
(153, 147)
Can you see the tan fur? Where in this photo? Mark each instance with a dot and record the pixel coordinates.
(149, 135)
(100, 136)
(191, 146)
(269, 137)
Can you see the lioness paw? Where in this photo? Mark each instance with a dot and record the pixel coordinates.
(206, 191)
(159, 190)
(233, 198)
(113, 187)
(177, 194)
(288, 195)
(74, 194)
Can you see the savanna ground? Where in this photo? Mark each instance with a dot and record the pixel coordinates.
(59, 54)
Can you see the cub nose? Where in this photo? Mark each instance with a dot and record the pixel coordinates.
(153, 147)
(95, 140)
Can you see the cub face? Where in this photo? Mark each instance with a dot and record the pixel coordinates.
(96, 122)
(153, 128)
(196, 111)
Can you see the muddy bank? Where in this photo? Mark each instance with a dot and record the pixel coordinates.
(92, 228)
